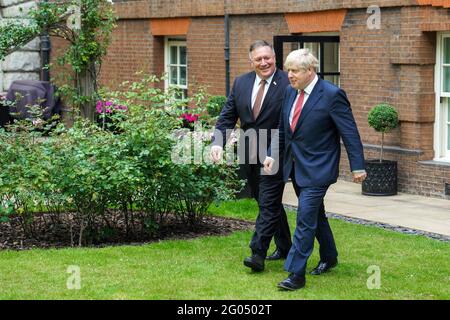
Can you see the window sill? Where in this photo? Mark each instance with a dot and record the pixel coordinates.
(438, 163)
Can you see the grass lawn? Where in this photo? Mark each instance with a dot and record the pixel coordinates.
(412, 267)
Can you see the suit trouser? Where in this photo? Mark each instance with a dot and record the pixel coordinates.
(272, 219)
(311, 222)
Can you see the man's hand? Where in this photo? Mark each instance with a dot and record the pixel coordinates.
(216, 153)
(268, 165)
(359, 177)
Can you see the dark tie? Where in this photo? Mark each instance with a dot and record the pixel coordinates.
(259, 98)
(297, 110)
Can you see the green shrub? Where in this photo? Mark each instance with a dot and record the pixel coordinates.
(112, 181)
(383, 118)
(215, 105)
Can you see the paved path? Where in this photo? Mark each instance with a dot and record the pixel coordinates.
(410, 211)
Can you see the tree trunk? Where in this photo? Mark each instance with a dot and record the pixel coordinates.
(87, 87)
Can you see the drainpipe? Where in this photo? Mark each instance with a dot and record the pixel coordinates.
(227, 54)
(45, 47)
(45, 57)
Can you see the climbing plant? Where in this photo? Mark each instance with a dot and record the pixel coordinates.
(86, 25)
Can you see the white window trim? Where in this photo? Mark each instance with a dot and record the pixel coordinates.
(167, 61)
(441, 114)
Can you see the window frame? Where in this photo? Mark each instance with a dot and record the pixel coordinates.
(442, 108)
(168, 43)
(319, 38)
(447, 117)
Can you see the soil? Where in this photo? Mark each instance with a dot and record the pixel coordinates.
(49, 235)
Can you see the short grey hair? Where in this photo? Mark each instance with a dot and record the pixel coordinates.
(302, 59)
(258, 44)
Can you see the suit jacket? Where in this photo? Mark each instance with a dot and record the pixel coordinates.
(314, 147)
(239, 106)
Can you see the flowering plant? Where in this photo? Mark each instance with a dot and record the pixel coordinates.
(109, 107)
(110, 114)
(189, 119)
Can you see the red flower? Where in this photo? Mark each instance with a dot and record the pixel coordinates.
(189, 117)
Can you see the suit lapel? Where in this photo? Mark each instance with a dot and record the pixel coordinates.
(248, 91)
(316, 94)
(270, 93)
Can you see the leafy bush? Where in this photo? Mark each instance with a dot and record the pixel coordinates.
(112, 182)
(215, 105)
(383, 118)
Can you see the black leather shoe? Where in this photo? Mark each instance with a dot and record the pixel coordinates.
(293, 282)
(255, 262)
(324, 266)
(276, 255)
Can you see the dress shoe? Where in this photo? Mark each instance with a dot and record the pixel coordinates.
(255, 262)
(324, 266)
(276, 255)
(293, 282)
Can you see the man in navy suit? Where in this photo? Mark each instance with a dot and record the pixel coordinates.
(255, 100)
(315, 116)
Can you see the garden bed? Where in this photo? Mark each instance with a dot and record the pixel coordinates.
(48, 234)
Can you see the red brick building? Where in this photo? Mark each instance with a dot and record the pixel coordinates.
(397, 52)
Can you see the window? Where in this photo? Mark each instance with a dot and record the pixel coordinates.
(442, 123)
(325, 48)
(176, 65)
(445, 58)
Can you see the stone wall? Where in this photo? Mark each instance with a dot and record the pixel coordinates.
(25, 63)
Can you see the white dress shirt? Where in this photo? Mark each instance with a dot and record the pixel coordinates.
(256, 88)
(308, 91)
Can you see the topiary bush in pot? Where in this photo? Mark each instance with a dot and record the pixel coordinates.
(381, 174)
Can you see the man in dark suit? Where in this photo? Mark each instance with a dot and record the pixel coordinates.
(315, 116)
(255, 100)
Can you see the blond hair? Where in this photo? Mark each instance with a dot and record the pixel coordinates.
(301, 59)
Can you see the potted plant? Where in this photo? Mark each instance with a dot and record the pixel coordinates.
(381, 174)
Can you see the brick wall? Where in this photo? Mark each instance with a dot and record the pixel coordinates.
(131, 50)
(394, 64)
(205, 47)
(245, 30)
(195, 8)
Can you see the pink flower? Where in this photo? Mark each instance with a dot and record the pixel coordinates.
(190, 117)
(108, 107)
(120, 107)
